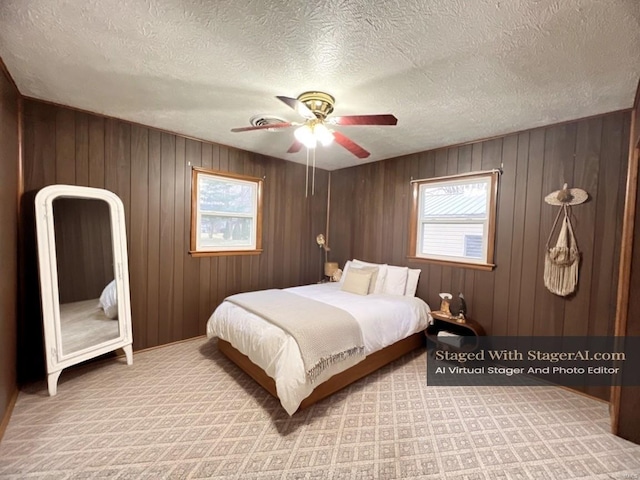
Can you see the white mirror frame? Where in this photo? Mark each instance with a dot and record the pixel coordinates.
(57, 360)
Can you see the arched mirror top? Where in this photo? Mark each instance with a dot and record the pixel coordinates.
(46, 195)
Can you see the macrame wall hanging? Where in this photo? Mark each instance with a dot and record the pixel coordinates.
(562, 261)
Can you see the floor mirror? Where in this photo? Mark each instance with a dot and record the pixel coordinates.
(84, 276)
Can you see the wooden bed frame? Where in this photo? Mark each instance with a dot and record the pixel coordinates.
(370, 364)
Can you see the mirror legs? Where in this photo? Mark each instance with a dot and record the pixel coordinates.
(128, 351)
(52, 382)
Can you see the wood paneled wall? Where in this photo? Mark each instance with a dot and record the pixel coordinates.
(172, 293)
(511, 300)
(9, 160)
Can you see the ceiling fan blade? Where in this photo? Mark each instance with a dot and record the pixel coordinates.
(295, 147)
(262, 127)
(298, 106)
(386, 119)
(350, 145)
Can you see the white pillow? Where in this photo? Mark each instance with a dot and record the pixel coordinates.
(412, 282)
(357, 281)
(377, 283)
(344, 271)
(109, 300)
(396, 281)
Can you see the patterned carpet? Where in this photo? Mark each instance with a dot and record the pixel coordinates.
(184, 411)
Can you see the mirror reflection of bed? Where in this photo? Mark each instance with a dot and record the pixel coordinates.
(84, 254)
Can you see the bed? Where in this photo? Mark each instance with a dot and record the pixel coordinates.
(391, 322)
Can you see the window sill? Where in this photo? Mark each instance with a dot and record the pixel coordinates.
(225, 253)
(472, 266)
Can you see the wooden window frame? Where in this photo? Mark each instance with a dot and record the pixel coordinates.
(193, 251)
(486, 264)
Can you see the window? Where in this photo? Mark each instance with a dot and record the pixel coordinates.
(453, 219)
(226, 213)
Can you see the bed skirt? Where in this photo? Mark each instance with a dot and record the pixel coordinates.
(371, 363)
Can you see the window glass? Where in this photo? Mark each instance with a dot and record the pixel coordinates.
(225, 213)
(454, 218)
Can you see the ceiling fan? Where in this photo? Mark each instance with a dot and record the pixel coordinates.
(316, 107)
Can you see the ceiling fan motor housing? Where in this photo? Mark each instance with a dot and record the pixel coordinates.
(320, 103)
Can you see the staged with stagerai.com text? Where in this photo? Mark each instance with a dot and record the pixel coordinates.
(531, 355)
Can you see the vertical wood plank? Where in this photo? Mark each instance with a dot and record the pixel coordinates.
(45, 151)
(602, 303)
(622, 188)
(167, 249)
(300, 242)
(519, 212)
(452, 161)
(585, 176)
(82, 149)
(122, 152)
(153, 239)
(180, 222)
(138, 260)
(111, 154)
(464, 159)
(268, 221)
(531, 250)
(65, 147)
(375, 195)
(287, 229)
(96, 151)
(397, 210)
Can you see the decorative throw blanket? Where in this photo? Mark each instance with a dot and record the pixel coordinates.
(325, 334)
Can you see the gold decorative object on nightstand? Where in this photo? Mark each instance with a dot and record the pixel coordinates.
(445, 302)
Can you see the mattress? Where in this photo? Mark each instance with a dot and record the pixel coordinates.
(384, 320)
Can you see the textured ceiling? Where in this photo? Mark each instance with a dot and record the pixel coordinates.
(450, 70)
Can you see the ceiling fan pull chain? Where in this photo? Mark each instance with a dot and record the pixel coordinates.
(306, 177)
(313, 183)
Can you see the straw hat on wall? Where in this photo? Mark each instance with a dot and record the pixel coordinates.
(567, 196)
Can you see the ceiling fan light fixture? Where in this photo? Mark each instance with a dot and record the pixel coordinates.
(315, 107)
(320, 103)
(323, 134)
(305, 136)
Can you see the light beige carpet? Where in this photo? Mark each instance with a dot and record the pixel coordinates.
(184, 411)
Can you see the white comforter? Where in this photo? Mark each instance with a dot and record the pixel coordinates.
(384, 320)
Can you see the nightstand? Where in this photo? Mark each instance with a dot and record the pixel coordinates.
(468, 329)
